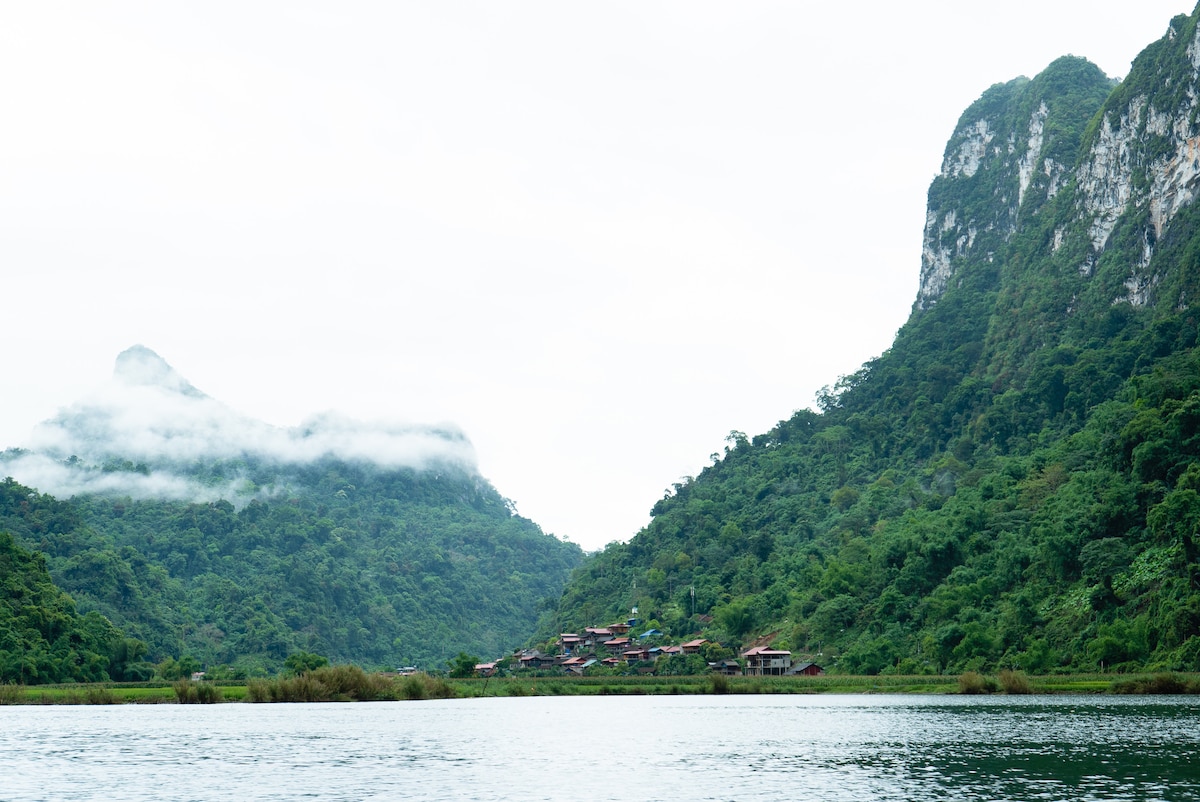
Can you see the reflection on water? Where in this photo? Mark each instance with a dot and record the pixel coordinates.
(599, 748)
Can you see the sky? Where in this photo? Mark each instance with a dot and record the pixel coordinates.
(596, 238)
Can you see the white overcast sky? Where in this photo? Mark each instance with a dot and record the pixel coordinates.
(595, 236)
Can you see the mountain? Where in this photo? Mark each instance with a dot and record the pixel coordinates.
(1014, 483)
(207, 535)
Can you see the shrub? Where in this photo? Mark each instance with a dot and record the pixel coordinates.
(98, 695)
(720, 684)
(208, 693)
(423, 686)
(258, 690)
(1158, 684)
(413, 688)
(196, 693)
(1014, 682)
(972, 682)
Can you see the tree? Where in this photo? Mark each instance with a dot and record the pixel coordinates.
(463, 665)
(303, 662)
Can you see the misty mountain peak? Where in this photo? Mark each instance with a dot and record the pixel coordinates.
(149, 415)
(140, 366)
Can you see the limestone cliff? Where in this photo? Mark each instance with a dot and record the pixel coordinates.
(1013, 150)
(1128, 158)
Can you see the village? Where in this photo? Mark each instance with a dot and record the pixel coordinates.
(615, 648)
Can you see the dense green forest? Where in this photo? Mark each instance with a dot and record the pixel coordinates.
(1014, 483)
(381, 567)
(42, 636)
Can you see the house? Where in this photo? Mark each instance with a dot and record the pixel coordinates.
(635, 654)
(728, 667)
(650, 633)
(534, 660)
(574, 664)
(617, 644)
(596, 635)
(619, 629)
(761, 661)
(806, 670)
(667, 651)
(569, 642)
(485, 669)
(693, 646)
(578, 665)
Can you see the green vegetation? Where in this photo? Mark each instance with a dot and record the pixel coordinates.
(349, 684)
(1007, 496)
(342, 683)
(1014, 485)
(42, 637)
(380, 567)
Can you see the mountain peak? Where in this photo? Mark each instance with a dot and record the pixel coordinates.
(139, 366)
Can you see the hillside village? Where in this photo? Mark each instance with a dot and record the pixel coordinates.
(614, 647)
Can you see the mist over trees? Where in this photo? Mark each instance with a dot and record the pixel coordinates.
(210, 540)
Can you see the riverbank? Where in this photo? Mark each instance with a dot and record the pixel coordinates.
(335, 686)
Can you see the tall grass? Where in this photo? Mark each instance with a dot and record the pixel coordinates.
(1014, 682)
(345, 683)
(196, 693)
(423, 686)
(1158, 684)
(972, 682)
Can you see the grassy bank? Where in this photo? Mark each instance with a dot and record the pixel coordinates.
(347, 683)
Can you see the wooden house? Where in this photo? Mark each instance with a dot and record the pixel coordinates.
(761, 661)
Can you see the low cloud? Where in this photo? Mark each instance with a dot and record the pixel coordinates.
(151, 416)
(64, 479)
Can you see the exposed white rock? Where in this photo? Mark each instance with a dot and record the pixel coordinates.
(1057, 174)
(1138, 289)
(966, 160)
(935, 259)
(1105, 177)
(1174, 179)
(1028, 162)
(1193, 51)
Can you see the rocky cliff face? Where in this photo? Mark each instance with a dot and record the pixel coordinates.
(1012, 152)
(1096, 173)
(1143, 164)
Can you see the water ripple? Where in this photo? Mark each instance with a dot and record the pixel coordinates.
(583, 748)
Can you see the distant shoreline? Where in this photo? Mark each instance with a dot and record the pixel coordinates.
(422, 686)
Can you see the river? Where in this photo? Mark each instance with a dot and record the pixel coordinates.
(853, 748)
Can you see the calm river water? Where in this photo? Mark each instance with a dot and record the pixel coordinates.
(858, 748)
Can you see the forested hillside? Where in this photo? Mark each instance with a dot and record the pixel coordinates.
(44, 639)
(381, 568)
(1014, 482)
(204, 536)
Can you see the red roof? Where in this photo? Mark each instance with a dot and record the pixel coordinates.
(692, 644)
